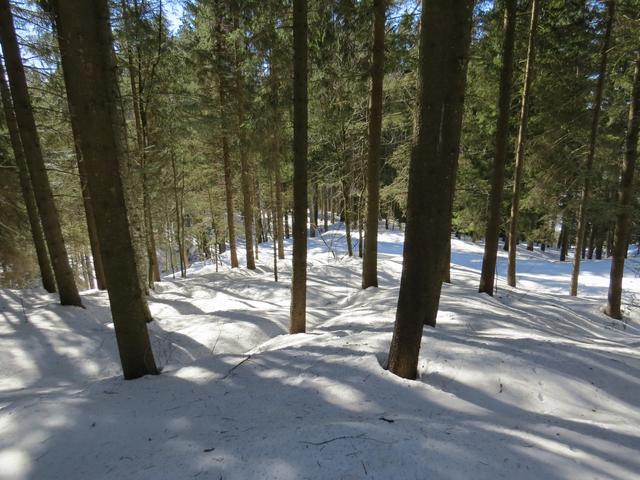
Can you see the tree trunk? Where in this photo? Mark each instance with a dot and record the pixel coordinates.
(370, 260)
(90, 77)
(586, 185)
(67, 289)
(592, 242)
(48, 280)
(520, 146)
(564, 243)
(224, 134)
(625, 201)
(278, 214)
(300, 146)
(312, 214)
(94, 241)
(491, 236)
(347, 217)
(245, 168)
(444, 43)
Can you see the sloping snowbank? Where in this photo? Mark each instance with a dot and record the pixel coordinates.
(531, 384)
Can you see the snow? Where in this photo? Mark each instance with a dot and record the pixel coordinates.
(530, 384)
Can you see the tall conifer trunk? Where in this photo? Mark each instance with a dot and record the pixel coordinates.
(85, 40)
(67, 289)
(492, 230)
(370, 260)
(586, 185)
(625, 200)
(521, 143)
(444, 43)
(300, 146)
(94, 241)
(223, 96)
(48, 280)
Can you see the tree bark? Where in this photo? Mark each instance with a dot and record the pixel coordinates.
(223, 93)
(491, 236)
(300, 147)
(67, 289)
(444, 43)
(46, 274)
(94, 241)
(245, 166)
(85, 40)
(370, 260)
(521, 142)
(278, 223)
(586, 186)
(625, 200)
(564, 241)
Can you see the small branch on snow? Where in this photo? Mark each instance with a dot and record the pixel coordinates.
(362, 436)
(236, 366)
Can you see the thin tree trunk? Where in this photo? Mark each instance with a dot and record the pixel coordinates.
(370, 260)
(67, 289)
(300, 146)
(179, 221)
(625, 201)
(347, 217)
(245, 168)
(226, 157)
(491, 236)
(586, 186)
(48, 280)
(444, 43)
(286, 224)
(278, 223)
(564, 244)
(521, 142)
(90, 76)
(592, 242)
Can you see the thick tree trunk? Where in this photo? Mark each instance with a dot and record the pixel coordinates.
(67, 289)
(300, 146)
(487, 277)
(48, 280)
(94, 241)
(586, 185)
(521, 142)
(90, 76)
(625, 201)
(444, 42)
(370, 260)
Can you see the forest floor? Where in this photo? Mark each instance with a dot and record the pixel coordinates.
(530, 384)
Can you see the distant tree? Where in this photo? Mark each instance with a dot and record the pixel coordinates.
(370, 259)
(593, 134)
(521, 143)
(494, 214)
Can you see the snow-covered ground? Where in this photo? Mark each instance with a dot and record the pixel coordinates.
(531, 384)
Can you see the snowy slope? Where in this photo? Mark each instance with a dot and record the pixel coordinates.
(530, 384)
